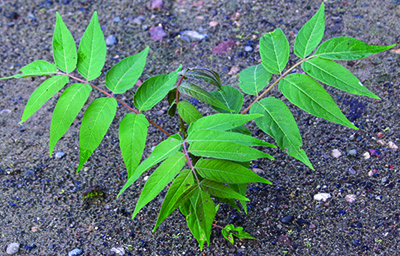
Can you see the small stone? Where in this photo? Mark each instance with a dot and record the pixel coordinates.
(235, 16)
(213, 23)
(312, 226)
(157, 4)
(366, 155)
(224, 47)
(379, 135)
(350, 198)
(118, 250)
(336, 153)
(258, 171)
(117, 19)
(107, 207)
(385, 180)
(29, 173)
(372, 173)
(138, 20)
(160, 112)
(248, 48)
(287, 219)
(12, 248)
(352, 152)
(234, 70)
(157, 33)
(5, 111)
(379, 198)
(145, 178)
(75, 252)
(322, 196)
(393, 146)
(111, 40)
(352, 171)
(59, 155)
(189, 35)
(31, 17)
(381, 142)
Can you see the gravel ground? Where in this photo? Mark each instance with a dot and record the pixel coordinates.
(42, 207)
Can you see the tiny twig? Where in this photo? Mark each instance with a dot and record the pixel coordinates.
(217, 226)
(189, 161)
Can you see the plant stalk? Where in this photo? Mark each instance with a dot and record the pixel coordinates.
(189, 161)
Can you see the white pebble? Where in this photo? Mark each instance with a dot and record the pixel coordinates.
(12, 248)
(392, 146)
(118, 250)
(336, 153)
(350, 198)
(322, 196)
(366, 155)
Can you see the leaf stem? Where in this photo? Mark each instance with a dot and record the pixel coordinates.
(275, 83)
(189, 161)
(112, 96)
(217, 226)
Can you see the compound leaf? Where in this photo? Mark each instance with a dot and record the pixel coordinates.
(92, 50)
(178, 187)
(310, 35)
(347, 48)
(132, 139)
(68, 106)
(279, 123)
(64, 48)
(42, 94)
(36, 68)
(274, 51)
(226, 150)
(124, 75)
(188, 112)
(218, 189)
(306, 93)
(95, 123)
(162, 151)
(154, 89)
(230, 230)
(159, 179)
(253, 79)
(334, 74)
(227, 172)
(231, 97)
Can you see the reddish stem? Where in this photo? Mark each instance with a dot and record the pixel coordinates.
(189, 161)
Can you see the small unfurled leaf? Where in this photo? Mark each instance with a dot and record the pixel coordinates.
(64, 48)
(206, 75)
(163, 150)
(178, 187)
(226, 150)
(230, 230)
(124, 75)
(241, 189)
(228, 201)
(306, 93)
(92, 50)
(217, 135)
(201, 216)
(36, 68)
(188, 112)
(227, 172)
(68, 106)
(42, 94)
(200, 94)
(274, 51)
(231, 97)
(154, 89)
(159, 179)
(253, 79)
(132, 139)
(334, 74)
(310, 35)
(278, 122)
(347, 48)
(218, 189)
(95, 123)
(221, 122)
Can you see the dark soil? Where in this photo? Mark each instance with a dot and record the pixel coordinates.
(42, 205)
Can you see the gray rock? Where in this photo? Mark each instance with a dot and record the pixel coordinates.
(12, 248)
(29, 173)
(75, 252)
(117, 19)
(248, 48)
(111, 40)
(352, 152)
(138, 20)
(59, 155)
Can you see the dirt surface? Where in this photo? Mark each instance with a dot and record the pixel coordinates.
(41, 197)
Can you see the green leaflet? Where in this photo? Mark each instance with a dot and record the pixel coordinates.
(221, 122)
(200, 217)
(229, 201)
(188, 112)
(36, 68)
(200, 94)
(206, 75)
(178, 187)
(334, 74)
(68, 106)
(227, 172)
(132, 139)
(307, 94)
(218, 189)
(241, 189)
(230, 230)
(279, 123)
(159, 179)
(163, 150)
(95, 123)
(92, 50)
(154, 89)
(226, 150)
(347, 48)
(171, 97)
(42, 94)
(231, 97)
(124, 75)
(310, 35)
(253, 79)
(64, 48)
(274, 51)
(216, 135)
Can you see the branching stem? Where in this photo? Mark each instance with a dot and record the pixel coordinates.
(189, 161)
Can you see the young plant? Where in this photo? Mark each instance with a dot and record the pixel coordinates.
(208, 159)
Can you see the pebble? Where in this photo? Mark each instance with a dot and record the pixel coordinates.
(379, 198)
(5, 111)
(379, 135)
(12, 248)
(31, 17)
(160, 112)
(336, 153)
(157, 4)
(117, 19)
(287, 219)
(118, 250)
(111, 40)
(352, 152)
(312, 226)
(393, 146)
(75, 252)
(138, 20)
(213, 23)
(157, 33)
(59, 155)
(366, 155)
(248, 48)
(350, 198)
(224, 47)
(352, 171)
(187, 35)
(322, 196)
(29, 173)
